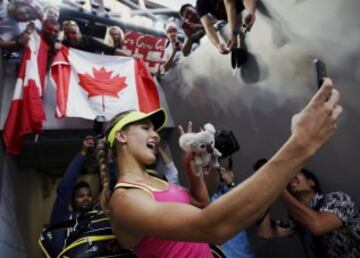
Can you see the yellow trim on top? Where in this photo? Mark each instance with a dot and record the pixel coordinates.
(85, 240)
(99, 220)
(115, 255)
(43, 248)
(141, 187)
(157, 189)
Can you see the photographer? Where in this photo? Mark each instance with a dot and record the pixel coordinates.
(176, 50)
(328, 224)
(222, 182)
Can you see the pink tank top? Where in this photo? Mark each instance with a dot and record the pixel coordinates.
(150, 247)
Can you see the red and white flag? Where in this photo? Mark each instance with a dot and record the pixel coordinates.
(26, 113)
(90, 85)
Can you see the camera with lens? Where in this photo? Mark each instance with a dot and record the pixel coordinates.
(226, 143)
(99, 125)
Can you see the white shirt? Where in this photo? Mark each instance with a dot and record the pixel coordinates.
(9, 28)
(168, 52)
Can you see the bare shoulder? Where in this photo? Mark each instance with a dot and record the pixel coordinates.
(129, 207)
(126, 209)
(122, 198)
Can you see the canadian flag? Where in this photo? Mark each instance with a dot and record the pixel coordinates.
(26, 113)
(90, 85)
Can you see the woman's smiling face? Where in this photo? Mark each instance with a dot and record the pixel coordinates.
(142, 141)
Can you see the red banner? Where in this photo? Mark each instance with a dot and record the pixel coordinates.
(146, 47)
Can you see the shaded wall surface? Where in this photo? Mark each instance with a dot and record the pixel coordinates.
(11, 240)
(258, 101)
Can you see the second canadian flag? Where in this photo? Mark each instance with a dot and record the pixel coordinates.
(90, 85)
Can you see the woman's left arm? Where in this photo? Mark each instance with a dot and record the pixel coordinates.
(197, 187)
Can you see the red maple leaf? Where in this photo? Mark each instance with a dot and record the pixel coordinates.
(102, 83)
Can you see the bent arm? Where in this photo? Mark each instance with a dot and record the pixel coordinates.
(168, 64)
(318, 223)
(60, 211)
(186, 49)
(197, 186)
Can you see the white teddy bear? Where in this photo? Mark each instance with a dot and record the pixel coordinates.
(202, 144)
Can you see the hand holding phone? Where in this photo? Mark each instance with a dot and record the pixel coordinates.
(320, 72)
(186, 25)
(176, 46)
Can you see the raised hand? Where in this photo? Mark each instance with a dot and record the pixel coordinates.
(248, 21)
(227, 175)
(88, 145)
(232, 42)
(314, 125)
(223, 49)
(189, 128)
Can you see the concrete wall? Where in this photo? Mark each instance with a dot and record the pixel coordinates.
(11, 239)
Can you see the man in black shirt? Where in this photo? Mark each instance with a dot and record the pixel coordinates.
(74, 38)
(225, 10)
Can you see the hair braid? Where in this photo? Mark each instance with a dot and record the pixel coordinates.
(103, 152)
(102, 157)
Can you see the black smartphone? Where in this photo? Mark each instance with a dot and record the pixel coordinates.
(320, 72)
(186, 25)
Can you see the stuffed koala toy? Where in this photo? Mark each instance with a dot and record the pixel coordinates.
(202, 144)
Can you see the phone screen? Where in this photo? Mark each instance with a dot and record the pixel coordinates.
(320, 72)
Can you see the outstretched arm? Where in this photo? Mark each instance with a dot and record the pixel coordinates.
(186, 49)
(19, 43)
(234, 27)
(212, 34)
(249, 18)
(120, 52)
(250, 5)
(240, 207)
(231, 13)
(11, 44)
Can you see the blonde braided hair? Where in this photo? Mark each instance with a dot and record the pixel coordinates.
(102, 150)
(103, 153)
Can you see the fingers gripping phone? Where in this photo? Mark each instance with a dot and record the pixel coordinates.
(320, 72)
(186, 25)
